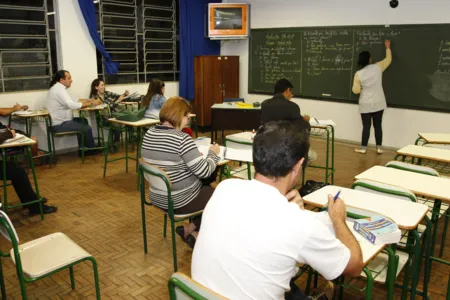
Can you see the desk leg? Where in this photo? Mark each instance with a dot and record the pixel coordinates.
(407, 266)
(36, 186)
(98, 119)
(138, 143)
(327, 158)
(369, 285)
(434, 220)
(428, 265)
(391, 272)
(416, 264)
(28, 124)
(82, 136)
(332, 155)
(5, 193)
(110, 134)
(126, 150)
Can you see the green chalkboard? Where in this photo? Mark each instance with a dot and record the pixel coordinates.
(321, 62)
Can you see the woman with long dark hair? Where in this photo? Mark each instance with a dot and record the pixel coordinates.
(368, 82)
(154, 99)
(111, 99)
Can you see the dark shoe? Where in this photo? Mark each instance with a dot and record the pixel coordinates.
(180, 231)
(46, 209)
(190, 240)
(44, 200)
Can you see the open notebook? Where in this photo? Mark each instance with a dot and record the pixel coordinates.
(229, 153)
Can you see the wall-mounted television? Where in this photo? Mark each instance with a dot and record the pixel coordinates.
(228, 20)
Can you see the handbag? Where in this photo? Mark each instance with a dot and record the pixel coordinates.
(129, 115)
(311, 186)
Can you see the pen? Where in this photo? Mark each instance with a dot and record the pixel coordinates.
(318, 123)
(334, 198)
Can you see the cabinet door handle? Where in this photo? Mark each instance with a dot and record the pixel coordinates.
(220, 85)
(219, 58)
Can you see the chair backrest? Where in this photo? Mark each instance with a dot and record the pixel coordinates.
(182, 287)
(384, 189)
(155, 176)
(412, 168)
(7, 228)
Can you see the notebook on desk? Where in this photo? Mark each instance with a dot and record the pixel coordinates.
(23, 112)
(15, 139)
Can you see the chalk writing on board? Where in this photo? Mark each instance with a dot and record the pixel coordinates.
(367, 39)
(440, 80)
(279, 58)
(325, 52)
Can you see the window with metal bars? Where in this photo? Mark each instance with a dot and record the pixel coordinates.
(143, 36)
(28, 53)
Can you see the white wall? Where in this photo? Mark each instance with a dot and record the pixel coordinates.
(400, 125)
(77, 54)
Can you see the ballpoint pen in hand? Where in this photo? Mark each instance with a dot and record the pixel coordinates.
(334, 199)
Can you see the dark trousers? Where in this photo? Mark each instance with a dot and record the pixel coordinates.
(199, 202)
(76, 125)
(20, 182)
(367, 119)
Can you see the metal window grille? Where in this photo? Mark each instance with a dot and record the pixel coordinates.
(25, 56)
(142, 36)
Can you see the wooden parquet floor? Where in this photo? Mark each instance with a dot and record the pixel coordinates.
(104, 217)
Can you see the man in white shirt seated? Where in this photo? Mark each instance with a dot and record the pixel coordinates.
(60, 105)
(254, 233)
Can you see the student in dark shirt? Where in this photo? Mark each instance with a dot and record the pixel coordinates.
(17, 174)
(281, 108)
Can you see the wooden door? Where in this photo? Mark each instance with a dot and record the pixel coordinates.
(208, 86)
(230, 75)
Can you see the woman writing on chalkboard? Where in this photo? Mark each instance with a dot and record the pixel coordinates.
(372, 102)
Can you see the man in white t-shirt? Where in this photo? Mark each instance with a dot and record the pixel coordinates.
(60, 106)
(254, 233)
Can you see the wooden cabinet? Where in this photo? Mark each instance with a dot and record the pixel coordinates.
(216, 78)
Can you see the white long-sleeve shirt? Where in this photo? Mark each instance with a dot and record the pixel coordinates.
(368, 81)
(60, 104)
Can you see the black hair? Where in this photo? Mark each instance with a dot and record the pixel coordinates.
(278, 146)
(364, 59)
(95, 83)
(282, 85)
(60, 74)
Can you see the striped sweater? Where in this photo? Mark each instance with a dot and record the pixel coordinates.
(176, 153)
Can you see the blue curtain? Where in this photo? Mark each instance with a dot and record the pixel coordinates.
(193, 42)
(88, 10)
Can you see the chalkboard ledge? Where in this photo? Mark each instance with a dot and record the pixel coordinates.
(355, 102)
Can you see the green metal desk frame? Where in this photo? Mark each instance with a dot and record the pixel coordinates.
(100, 137)
(39, 199)
(28, 128)
(328, 133)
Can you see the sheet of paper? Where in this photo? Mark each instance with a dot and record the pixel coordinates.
(314, 121)
(205, 148)
(133, 95)
(17, 138)
(23, 112)
(245, 155)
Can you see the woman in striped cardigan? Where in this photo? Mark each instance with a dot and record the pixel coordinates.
(167, 147)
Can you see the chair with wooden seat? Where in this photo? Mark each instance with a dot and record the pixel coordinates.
(443, 207)
(159, 179)
(42, 257)
(183, 287)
